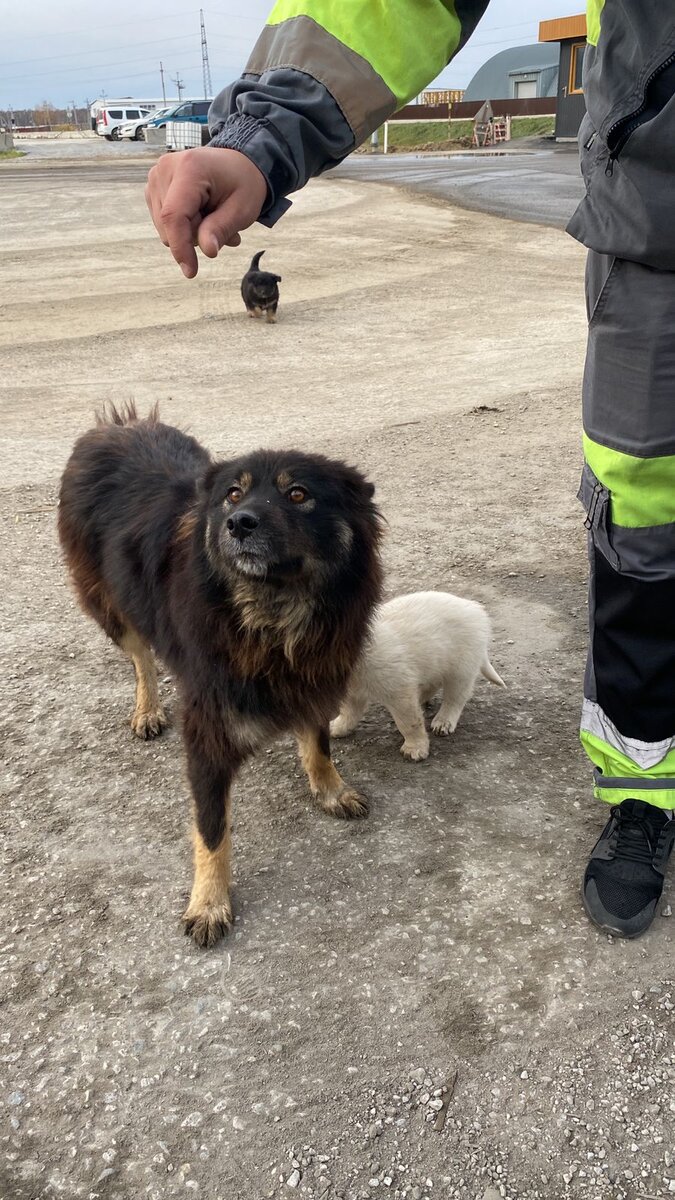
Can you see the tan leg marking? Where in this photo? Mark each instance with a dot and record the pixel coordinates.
(271, 317)
(329, 789)
(209, 914)
(149, 718)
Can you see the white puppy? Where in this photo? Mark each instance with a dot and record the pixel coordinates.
(420, 644)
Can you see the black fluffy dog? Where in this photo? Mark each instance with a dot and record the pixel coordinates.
(260, 291)
(253, 579)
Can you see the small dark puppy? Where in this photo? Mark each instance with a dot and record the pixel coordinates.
(260, 291)
(253, 579)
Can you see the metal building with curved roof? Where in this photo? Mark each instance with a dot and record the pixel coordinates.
(519, 73)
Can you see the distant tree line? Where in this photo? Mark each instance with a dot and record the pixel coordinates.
(46, 113)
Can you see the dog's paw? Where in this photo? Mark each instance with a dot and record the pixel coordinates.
(441, 728)
(347, 805)
(208, 924)
(340, 728)
(415, 752)
(147, 725)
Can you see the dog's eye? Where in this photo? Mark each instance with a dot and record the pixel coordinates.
(234, 495)
(297, 495)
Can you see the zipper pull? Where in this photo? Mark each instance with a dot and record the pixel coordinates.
(609, 169)
(593, 504)
(589, 143)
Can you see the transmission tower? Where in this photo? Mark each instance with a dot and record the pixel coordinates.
(206, 70)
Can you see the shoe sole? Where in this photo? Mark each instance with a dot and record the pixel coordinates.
(626, 937)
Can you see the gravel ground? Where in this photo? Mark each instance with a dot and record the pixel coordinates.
(411, 1006)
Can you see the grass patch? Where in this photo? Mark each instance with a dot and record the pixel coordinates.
(441, 135)
(425, 133)
(532, 127)
(12, 154)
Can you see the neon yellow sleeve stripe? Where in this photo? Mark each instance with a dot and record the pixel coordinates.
(407, 42)
(593, 11)
(642, 489)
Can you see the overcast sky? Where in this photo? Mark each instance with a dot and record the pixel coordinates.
(72, 51)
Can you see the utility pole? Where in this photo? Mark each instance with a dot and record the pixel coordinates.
(179, 85)
(161, 71)
(75, 120)
(206, 69)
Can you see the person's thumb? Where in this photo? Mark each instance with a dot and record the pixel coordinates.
(221, 227)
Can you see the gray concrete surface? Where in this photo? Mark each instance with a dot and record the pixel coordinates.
(527, 183)
(541, 185)
(439, 946)
(92, 149)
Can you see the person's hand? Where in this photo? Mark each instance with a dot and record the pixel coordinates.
(203, 198)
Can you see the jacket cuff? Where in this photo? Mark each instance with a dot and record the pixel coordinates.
(288, 124)
(254, 137)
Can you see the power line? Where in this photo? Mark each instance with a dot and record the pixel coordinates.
(501, 28)
(92, 68)
(504, 42)
(213, 12)
(151, 73)
(114, 25)
(184, 14)
(104, 50)
(233, 37)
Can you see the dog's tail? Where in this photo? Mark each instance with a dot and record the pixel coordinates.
(126, 414)
(255, 261)
(488, 672)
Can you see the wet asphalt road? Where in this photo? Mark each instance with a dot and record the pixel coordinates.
(542, 185)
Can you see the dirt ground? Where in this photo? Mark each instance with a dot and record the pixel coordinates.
(438, 945)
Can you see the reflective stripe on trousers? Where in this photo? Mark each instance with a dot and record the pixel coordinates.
(628, 491)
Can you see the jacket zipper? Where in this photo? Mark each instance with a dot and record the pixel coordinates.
(632, 121)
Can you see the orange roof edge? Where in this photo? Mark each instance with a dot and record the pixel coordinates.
(562, 27)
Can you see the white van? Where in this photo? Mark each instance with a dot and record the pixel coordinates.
(110, 120)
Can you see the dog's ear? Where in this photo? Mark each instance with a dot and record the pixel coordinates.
(277, 278)
(358, 487)
(207, 482)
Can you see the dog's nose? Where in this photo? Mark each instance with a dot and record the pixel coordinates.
(242, 524)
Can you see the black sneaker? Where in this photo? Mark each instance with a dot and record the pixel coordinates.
(624, 878)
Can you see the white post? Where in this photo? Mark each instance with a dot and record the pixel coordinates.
(508, 128)
(386, 137)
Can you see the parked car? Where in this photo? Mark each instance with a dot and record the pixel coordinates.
(110, 120)
(191, 110)
(135, 130)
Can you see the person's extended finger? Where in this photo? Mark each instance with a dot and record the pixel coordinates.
(179, 215)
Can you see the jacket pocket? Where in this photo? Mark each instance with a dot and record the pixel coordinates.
(592, 149)
(659, 90)
(596, 500)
